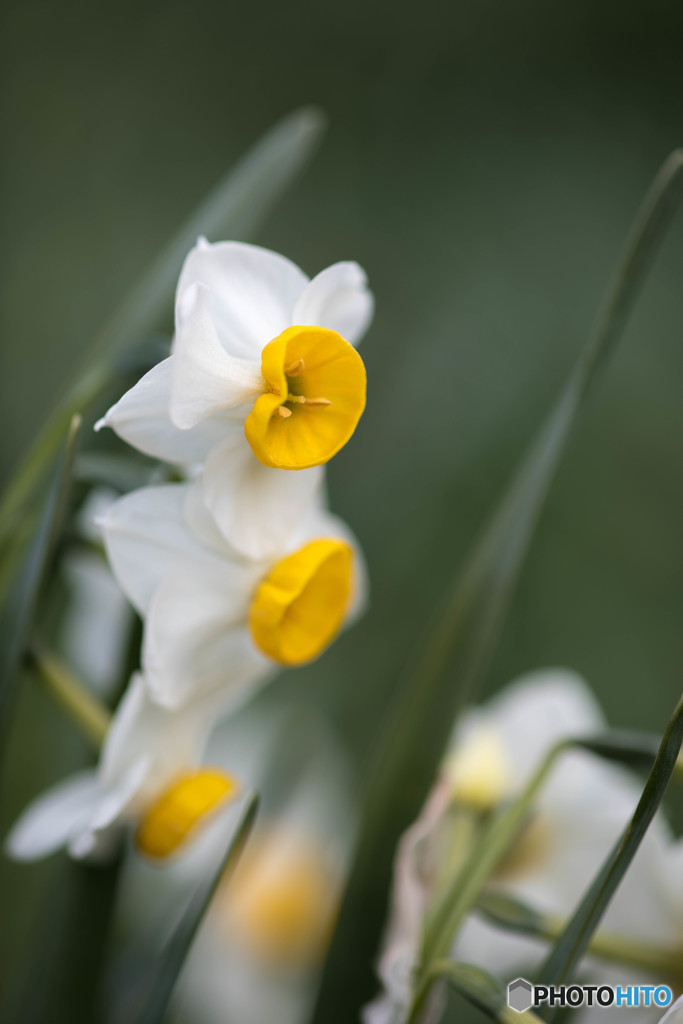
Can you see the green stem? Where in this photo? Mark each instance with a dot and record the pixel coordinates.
(607, 946)
(491, 847)
(466, 887)
(462, 894)
(508, 913)
(479, 988)
(80, 705)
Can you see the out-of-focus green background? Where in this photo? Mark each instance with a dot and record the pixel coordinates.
(483, 163)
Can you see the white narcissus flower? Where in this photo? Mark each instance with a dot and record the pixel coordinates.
(263, 376)
(218, 620)
(261, 945)
(149, 773)
(582, 809)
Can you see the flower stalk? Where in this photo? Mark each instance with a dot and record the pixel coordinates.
(459, 897)
(84, 709)
(512, 915)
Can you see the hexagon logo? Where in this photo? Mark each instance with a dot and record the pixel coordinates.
(519, 995)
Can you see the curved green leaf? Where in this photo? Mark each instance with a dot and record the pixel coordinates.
(465, 637)
(511, 914)
(159, 987)
(20, 605)
(480, 989)
(576, 936)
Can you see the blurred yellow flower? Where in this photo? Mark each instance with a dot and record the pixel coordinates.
(282, 900)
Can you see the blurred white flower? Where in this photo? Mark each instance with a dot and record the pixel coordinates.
(580, 812)
(97, 617)
(260, 947)
(149, 772)
(214, 619)
(263, 374)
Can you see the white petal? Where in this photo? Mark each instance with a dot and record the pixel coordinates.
(128, 734)
(118, 798)
(503, 953)
(253, 292)
(52, 820)
(146, 537)
(338, 298)
(196, 636)
(100, 841)
(152, 742)
(256, 508)
(142, 418)
(205, 380)
(202, 524)
(94, 508)
(538, 710)
(675, 1014)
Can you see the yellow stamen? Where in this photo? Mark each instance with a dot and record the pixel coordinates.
(302, 400)
(478, 770)
(320, 378)
(300, 606)
(181, 809)
(528, 853)
(283, 412)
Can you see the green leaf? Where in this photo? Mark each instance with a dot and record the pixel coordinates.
(69, 945)
(465, 890)
(636, 750)
(235, 209)
(79, 703)
(474, 983)
(480, 989)
(576, 936)
(501, 831)
(159, 987)
(512, 914)
(19, 609)
(465, 637)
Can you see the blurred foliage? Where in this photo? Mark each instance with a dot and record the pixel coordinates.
(483, 163)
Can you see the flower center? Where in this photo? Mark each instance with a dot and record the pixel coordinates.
(479, 771)
(180, 810)
(315, 396)
(283, 901)
(300, 606)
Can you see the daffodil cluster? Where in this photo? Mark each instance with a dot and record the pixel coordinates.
(574, 823)
(239, 569)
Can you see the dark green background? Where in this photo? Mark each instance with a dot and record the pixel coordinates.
(483, 162)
